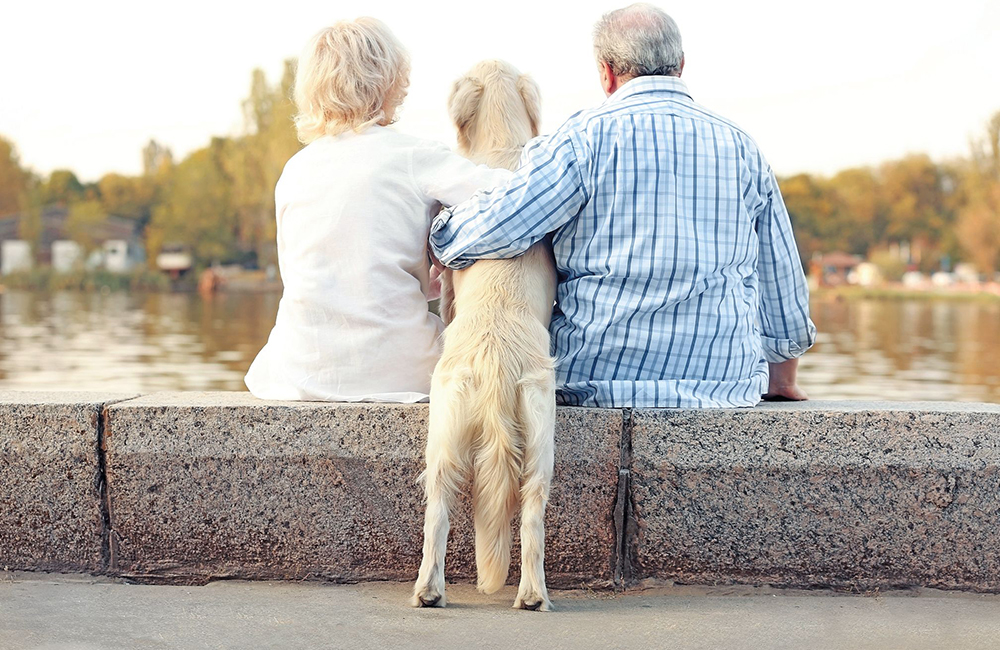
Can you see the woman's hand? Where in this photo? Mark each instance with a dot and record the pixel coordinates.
(783, 385)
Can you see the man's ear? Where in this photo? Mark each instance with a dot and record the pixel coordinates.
(607, 77)
(532, 98)
(464, 103)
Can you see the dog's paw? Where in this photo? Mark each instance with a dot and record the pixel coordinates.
(428, 597)
(533, 602)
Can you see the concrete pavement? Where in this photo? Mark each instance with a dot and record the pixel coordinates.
(74, 612)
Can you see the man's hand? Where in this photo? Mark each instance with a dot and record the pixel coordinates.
(783, 386)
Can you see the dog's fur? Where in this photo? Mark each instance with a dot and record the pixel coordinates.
(492, 410)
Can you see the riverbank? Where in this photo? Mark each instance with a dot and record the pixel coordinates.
(986, 293)
(227, 280)
(97, 280)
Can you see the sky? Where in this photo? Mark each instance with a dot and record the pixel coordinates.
(821, 86)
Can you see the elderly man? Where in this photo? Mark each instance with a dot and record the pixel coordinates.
(679, 280)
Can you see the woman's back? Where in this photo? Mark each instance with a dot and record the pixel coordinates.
(353, 212)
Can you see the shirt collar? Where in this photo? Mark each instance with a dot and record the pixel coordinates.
(650, 84)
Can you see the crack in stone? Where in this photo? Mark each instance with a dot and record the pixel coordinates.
(623, 510)
(107, 545)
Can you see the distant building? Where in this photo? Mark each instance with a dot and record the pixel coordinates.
(915, 280)
(66, 255)
(942, 279)
(118, 240)
(15, 255)
(116, 256)
(833, 269)
(865, 274)
(174, 259)
(966, 273)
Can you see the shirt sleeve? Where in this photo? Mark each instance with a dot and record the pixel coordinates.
(786, 329)
(545, 193)
(442, 175)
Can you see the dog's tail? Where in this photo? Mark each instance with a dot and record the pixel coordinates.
(497, 484)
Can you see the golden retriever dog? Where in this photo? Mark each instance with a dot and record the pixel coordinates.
(492, 411)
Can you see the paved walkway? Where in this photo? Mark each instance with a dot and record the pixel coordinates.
(62, 612)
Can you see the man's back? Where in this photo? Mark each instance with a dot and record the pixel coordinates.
(679, 278)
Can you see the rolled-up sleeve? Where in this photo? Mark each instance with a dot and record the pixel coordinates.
(545, 193)
(786, 329)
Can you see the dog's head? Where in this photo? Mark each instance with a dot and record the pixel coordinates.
(494, 107)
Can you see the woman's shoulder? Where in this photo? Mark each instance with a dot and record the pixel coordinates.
(315, 158)
(306, 156)
(413, 142)
(372, 138)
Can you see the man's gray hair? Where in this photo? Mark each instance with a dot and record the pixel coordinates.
(639, 40)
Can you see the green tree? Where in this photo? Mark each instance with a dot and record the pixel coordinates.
(128, 196)
(156, 158)
(30, 226)
(986, 152)
(912, 191)
(195, 209)
(62, 186)
(810, 207)
(83, 218)
(254, 162)
(979, 216)
(858, 217)
(14, 180)
(979, 232)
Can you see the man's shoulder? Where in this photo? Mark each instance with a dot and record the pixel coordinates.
(591, 122)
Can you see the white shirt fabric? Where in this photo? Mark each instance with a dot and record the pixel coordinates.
(353, 214)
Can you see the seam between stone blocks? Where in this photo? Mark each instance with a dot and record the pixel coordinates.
(102, 490)
(623, 513)
(109, 559)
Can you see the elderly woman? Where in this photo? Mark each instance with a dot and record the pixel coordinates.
(353, 212)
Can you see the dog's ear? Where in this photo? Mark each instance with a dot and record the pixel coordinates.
(464, 101)
(532, 98)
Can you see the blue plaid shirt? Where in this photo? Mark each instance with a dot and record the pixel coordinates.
(679, 278)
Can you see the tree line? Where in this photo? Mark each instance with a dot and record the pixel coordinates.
(218, 201)
(943, 212)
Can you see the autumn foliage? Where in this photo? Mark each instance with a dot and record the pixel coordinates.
(218, 202)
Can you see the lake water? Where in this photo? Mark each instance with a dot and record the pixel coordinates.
(867, 349)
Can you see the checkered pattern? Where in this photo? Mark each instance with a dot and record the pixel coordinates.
(678, 272)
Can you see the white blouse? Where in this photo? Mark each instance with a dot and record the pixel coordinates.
(353, 216)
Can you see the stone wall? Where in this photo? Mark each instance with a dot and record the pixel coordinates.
(188, 487)
(52, 514)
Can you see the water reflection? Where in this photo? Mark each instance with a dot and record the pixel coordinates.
(905, 350)
(140, 342)
(894, 350)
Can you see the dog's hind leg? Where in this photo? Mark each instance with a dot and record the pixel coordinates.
(445, 471)
(538, 409)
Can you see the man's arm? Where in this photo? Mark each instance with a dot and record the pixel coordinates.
(545, 193)
(787, 332)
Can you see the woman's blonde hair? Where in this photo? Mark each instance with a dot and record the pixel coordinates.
(347, 77)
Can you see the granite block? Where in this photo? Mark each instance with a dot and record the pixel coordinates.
(209, 485)
(858, 495)
(50, 489)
